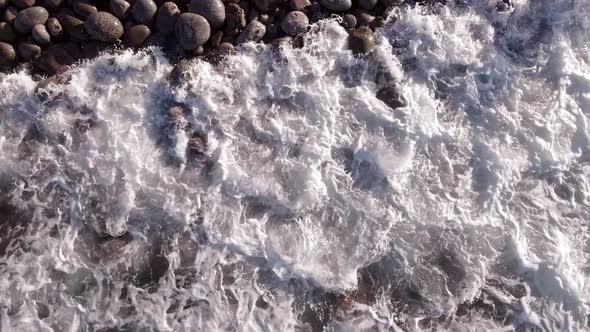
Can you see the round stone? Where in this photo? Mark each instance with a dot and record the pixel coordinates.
(349, 21)
(336, 5)
(136, 35)
(54, 28)
(254, 31)
(28, 51)
(367, 4)
(192, 30)
(212, 10)
(120, 8)
(28, 18)
(361, 40)
(104, 26)
(166, 17)
(7, 54)
(83, 8)
(143, 11)
(41, 35)
(7, 33)
(294, 23)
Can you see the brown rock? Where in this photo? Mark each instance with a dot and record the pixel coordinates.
(363, 18)
(254, 31)
(349, 21)
(391, 97)
(235, 17)
(72, 25)
(54, 61)
(136, 35)
(361, 40)
(54, 28)
(7, 54)
(83, 8)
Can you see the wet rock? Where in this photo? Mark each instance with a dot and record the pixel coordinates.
(227, 48)
(120, 8)
(253, 32)
(83, 8)
(72, 26)
(108, 247)
(144, 11)
(136, 35)
(315, 12)
(104, 26)
(361, 41)
(216, 38)
(154, 270)
(363, 18)
(294, 23)
(212, 10)
(7, 33)
(367, 4)
(299, 5)
(269, 5)
(391, 97)
(197, 146)
(52, 4)
(41, 35)
(166, 17)
(9, 14)
(54, 61)
(28, 51)
(192, 31)
(378, 22)
(336, 5)
(91, 49)
(28, 18)
(7, 54)
(54, 28)
(349, 21)
(22, 4)
(235, 17)
(180, 73)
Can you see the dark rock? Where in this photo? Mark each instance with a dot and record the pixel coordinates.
(9, 14)
(166, 17)
(120, 8)
(144, 11)
(180, 73)
(28, 51)
(3, 4)
(253, 14)
(54, 28)
(22, 4)
(367, 4)
(90, 49)
(235, 17)
(7, 33)
(27, 18)
(272, 32)
(336, 5)
(361, 40)
(363, 18)
(54, 61)
(264, 19)
(192, 31)
(212, 10)
(52, 4)
(197, 145)
(378, 22)
(391, 97)
(72, 26)
(299, 4)
(349, 21)
(104, 26)
(7, 54)
(84, 8)
(269, 5)
(315, 12)
(40, 35)
(294, 23)
(136, 35)
(154, 270)
(254, 31)
(216, 38)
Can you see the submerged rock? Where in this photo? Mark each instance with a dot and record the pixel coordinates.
(104, 26)
(390, 96)
(361, 40)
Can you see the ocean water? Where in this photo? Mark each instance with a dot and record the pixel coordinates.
(315, 206)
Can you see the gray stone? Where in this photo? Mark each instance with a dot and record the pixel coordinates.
(367, 4)
(7, 54)
(192, 31)
(299, 4)
(349, 21)
(104, 26)
(391, 97)
(144, 11)
(40, 35)
(212, 10)
(269, 5)
(83, 8)
(254, 32)
(72, 26)
(28, 18)
(235, 17)
(54, 28)
(294, 23)
(52, 4)
(361, 40)
(7, 33)
(166, 17)
(136, 35)
(336, 5)
(28, 51)
(9, 14)
(120, 8)
(22, 4)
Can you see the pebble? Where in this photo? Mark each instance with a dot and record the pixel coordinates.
(294, 23)
(27, 18)
(391, 97)
(336, 5)
(7, 54)
(120, 8)
(54, 28)
(349, 21)
(83, 8)
(361, 40)
(254, 31)
(7, 33)
(136, 35)
(212, 10)
(40, 35)
(143, 11)
(367, 4)
(192, 31)
(72, 26)
(166, 17)
(28, 51)
(299, 4)
(104, 26)
(9, 14)
(22, 4)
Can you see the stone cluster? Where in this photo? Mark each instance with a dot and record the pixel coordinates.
(49, 35)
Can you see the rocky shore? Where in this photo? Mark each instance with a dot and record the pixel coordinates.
(49, 35)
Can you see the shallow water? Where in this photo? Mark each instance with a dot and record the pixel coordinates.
(315, 205)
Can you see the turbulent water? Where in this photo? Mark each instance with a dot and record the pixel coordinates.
(316, 206)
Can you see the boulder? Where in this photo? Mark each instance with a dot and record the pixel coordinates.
(9, 14)
(104, 26)
(22, 4)
(367, 4)
(349, 21)
(192, 31)
(235, 17)
(52, 4)
(299, 4)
